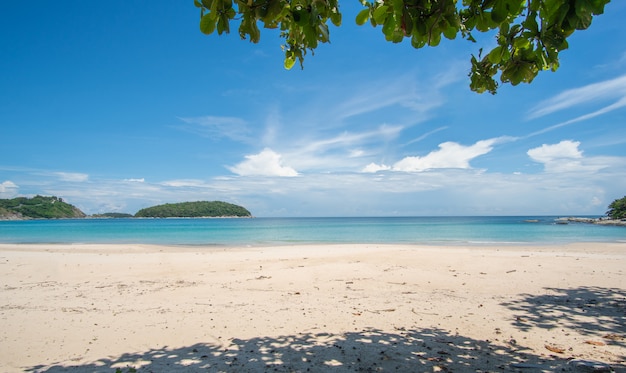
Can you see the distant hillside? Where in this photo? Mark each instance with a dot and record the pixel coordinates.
(112, 215)
(38, 207)
(198, 209)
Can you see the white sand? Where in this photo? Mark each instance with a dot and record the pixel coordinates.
(338, 308)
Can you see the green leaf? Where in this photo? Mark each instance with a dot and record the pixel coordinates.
(289, 62)
(362, 17)
(207, 24)
(418, 41)
(499, 12)
(380, 14)
(531, 23)
(335, 18)
(521, 43)
(255, 33)
(389, 27)
(435, 39)
(310, 36)
(495, 56)
(450, 32)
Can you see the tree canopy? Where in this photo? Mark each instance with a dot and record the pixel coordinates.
(529, 33)
(617, 209)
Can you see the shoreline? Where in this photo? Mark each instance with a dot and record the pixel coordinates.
(344, 307)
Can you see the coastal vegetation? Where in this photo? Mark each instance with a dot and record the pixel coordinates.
(112, 215)
(38, 207)
(530, 34)
(199, 209)
(617, 209)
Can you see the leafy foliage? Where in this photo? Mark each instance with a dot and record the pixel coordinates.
(617, 209)
(38, 207)
(530, 33)
(193, 210)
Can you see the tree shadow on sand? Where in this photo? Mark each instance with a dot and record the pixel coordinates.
(415, 350)
(591, 311)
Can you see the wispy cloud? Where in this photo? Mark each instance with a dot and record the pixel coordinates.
(427, 134)
(403, 92)
(614, 89)
(216, 127)
(72, 176)
(619, 104)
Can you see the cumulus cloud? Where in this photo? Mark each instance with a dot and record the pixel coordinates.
(562, 157)
(566, 149)
(266, 163)
(8, 189)
(373, 167)
(449, 155)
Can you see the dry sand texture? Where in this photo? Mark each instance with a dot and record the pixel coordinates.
(317, 308)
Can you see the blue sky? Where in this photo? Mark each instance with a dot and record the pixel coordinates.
(116, 106)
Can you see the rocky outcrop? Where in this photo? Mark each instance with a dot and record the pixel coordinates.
(599, 221)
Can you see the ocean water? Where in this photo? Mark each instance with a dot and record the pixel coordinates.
(282, 231)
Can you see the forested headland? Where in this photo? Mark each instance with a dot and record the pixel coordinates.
(38, 207)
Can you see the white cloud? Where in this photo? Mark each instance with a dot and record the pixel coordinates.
(184, 183)
(373, 167)
(72, 176)
(563, 157)
(8, 189)
(266, 163)
(141, 180)
(449, 155)
(356, 153)
(566, 149)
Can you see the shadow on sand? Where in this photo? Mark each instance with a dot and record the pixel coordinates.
(419, 350)
(590, 311)
(593, 311)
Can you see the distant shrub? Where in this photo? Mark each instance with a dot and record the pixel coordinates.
(617, 209)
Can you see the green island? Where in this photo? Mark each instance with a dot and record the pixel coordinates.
(41, 207)
(38, 207)
(199, 209)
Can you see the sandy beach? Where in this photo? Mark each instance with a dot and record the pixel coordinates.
(311, 308)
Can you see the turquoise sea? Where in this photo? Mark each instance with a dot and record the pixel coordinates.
(283, 231)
